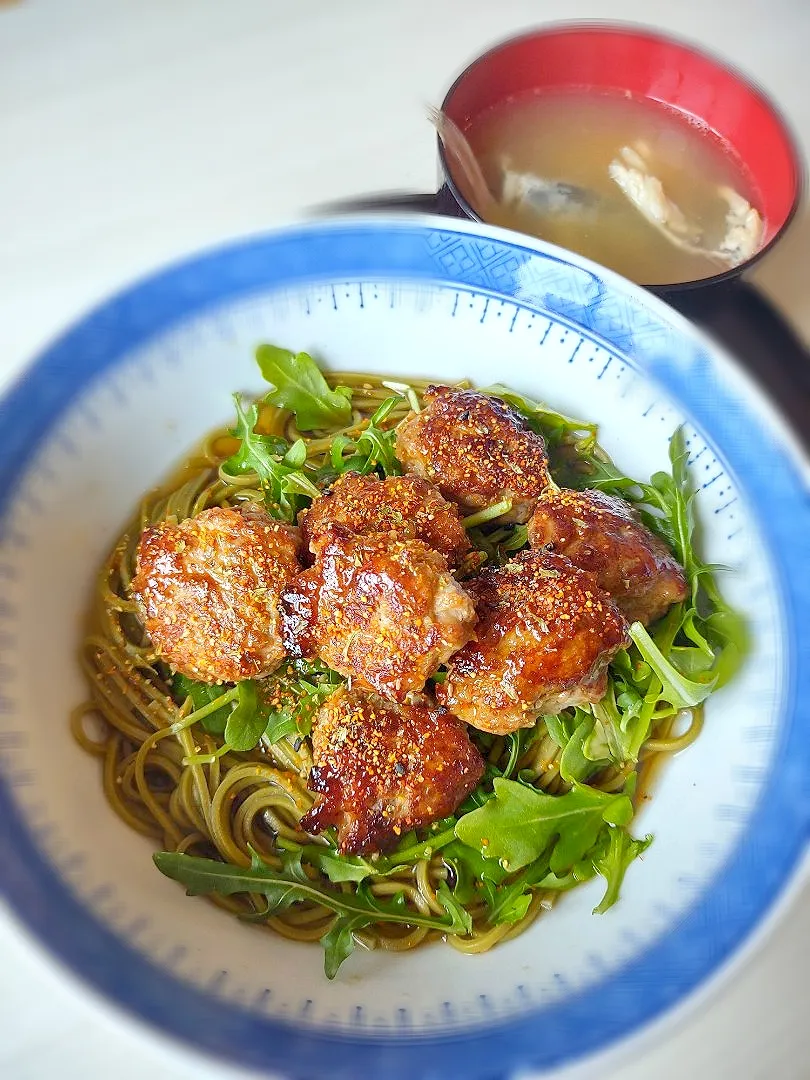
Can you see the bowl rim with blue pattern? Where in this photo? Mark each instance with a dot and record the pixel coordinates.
(742, 899)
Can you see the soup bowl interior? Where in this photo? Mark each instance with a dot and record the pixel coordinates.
(117, 403)
(718, 101)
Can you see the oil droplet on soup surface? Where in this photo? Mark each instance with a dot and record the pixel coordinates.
(572, 137)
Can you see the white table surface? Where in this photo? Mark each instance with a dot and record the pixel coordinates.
(133, 131)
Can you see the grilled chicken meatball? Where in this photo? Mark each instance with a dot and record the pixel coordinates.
(383, 611)
(382, 769)
(476, 449)
(545, 636)
(406, 505)
(604, 535)
(208, 590)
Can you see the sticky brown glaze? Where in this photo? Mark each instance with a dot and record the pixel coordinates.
(603, 534)
(380, 610)
(382, 769)
(476, 449)
(545, 636)
(208, 590)
(406, 505)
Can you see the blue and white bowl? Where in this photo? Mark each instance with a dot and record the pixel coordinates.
(120, 398)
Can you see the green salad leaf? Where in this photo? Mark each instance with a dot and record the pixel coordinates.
(248, 720)
(583, 754)
(680, 692)
(339, 942)
(257, 453)
(277, 464)
(298, 385)
(373, 449)
(203, 696)
(553, 425)
(290, 885)
(471, 871)
(619, 849)
(704, 623)
(519, 823)
(304, 685)
(339, 868)
(280, 706)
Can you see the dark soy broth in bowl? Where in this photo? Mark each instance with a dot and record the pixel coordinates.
(572, 137)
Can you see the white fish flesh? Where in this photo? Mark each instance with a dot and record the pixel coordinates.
(743, 235)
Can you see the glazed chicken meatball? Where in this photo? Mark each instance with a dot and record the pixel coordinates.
(604, 535)
(382, 769)
(476, 449)
(380, 610)
(406, 505)
(545, 636)
(208, 591)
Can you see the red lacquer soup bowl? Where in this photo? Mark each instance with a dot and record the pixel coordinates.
(606, 58)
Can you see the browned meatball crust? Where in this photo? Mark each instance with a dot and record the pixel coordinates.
(382, 769)
(406, 505)
(545, 636)
(380, 610)
(603, 534)
(476, 449)
(208, 590)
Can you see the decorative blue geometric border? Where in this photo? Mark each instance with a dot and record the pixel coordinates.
(630, 323)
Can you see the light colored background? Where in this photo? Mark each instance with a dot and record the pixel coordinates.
(132, 131)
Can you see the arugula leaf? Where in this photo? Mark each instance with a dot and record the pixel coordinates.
(280, 706)
(681, 692)
(604, 847)
(292, 885)
(339, 868)
(509, 902)
(373, 448)
(459, 915)
(576, 763)
(256, 453)
(203, 695)
(553, 425)
(471, 870)
(247, 722)
(298, 385)
(308, 683)
(561, 727)
(280, 725)
(511, 906)
(339, 942)
(278, 465)
(625, 714)
(274, 708)
(519, 824)
(519, 743)
(612, 862)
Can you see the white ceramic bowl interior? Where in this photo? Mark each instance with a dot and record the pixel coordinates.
(154, 385)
